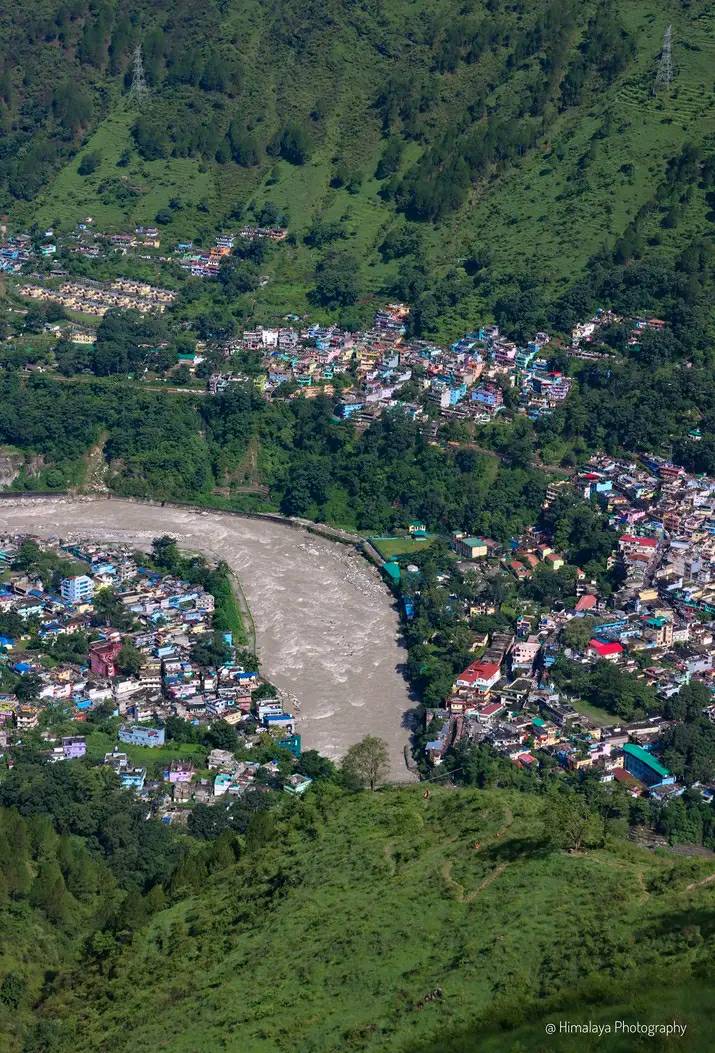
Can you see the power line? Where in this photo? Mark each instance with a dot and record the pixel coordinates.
(139, 90)
(664, 75)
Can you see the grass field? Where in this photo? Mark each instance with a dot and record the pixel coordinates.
(392, 547)
(599, 716)
(153, 759)
(338, 935)
(116, 197)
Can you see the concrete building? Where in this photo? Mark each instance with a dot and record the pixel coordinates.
(78, 589)
(103, 657)
(136, 735)
(470, 547)
(73, 746)
(642, 765)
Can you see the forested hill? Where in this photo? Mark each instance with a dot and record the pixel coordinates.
(469, 154)
(386, 922)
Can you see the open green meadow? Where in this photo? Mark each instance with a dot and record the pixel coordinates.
(392, 921)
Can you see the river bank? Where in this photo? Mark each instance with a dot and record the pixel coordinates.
(326, 629)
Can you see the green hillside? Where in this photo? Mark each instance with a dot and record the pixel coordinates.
(517, 139)
(393, 922)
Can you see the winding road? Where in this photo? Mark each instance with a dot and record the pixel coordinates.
(326, 629)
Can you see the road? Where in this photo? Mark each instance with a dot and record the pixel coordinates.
(327, 631)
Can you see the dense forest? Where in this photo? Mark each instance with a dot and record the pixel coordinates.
(165, 447)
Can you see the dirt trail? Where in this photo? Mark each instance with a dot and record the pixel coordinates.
(461, 895)
(699, 884)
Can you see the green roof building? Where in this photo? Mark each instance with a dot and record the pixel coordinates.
(641, 764)
(392, 570)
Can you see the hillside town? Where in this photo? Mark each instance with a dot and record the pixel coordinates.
(519, 692)
(107, 659)
(477, 378)
(94, 638)
(524, 692)
(481, 377)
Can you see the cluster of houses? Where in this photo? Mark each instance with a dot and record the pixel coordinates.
(657, 626)
(143, 242)
(465, 381)
(585, 334)
(96, 298)
(478, 377)
(205, 263)
(15, 252)
(168, 617)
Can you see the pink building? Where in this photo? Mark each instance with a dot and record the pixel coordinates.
(103, 657)
(180, 771)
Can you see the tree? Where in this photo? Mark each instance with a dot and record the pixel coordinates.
(28, 687)
(314, 766)
(108, 609)
(211, 651)
(263, 692)
(165, 552)
(577, 633)
(570, 823)
(130, 659)
(367, 763)
(49, 892)
(260, 830)
(207, 823)
(689, 703)
(12, 990)
(221, 736)
(293, 144)
(337, 280)
(89, 164)
(391, 157)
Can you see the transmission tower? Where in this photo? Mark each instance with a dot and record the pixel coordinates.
(664, 76)
(139, 89)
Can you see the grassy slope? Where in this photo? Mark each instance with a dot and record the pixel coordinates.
(332, 938)
(72, 197)
(551, 216)
(544, 217)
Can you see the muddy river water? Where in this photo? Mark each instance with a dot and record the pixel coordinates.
(326, 629)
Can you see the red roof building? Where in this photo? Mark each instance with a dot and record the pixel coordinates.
(490, 710)
(630, 541)
(481, 676)
(525, 760)
(605, 650)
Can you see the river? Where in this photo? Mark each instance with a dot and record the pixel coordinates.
(326, 629)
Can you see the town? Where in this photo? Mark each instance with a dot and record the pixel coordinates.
(553, 648)
(108, 659)
(587, 681)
